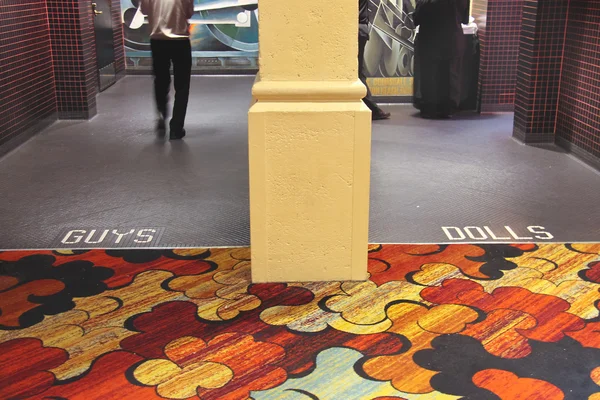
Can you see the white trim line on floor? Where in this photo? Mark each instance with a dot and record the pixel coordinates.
(248, 246)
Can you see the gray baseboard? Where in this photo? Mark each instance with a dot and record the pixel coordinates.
(78, 115)
(583, 155)
(487, 108)
(393, 100)
(530, 138)
(27, 134)
(199, 71)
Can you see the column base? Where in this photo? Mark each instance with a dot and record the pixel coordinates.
(309, 183)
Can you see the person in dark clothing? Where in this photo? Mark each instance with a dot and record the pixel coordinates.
(363, 37)
(170, 43)
(439, 48)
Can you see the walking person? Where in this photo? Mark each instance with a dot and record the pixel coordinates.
(170, 45)
(439, 49)
(363, 37)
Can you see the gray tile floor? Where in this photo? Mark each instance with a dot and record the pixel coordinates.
(113, 173)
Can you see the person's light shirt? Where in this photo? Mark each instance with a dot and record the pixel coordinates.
(168, 19)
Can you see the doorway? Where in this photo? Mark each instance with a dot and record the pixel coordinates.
(105, 51)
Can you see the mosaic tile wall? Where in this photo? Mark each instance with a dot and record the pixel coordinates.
(48, 64)
(479, 12)
(74, 55)
(539, 70)
(558, 95)
(26, 74)
(118, 37)
(499, 51)
(578, 120)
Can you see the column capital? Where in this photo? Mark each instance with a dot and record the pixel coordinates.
(309, 91)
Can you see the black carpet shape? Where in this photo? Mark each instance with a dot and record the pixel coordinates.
(136, 256)
(143, 256)
(81, 279)
(565, 364)
(495, 259)
(591, 273)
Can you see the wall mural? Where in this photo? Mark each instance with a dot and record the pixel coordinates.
(389, 54)
(224, 35)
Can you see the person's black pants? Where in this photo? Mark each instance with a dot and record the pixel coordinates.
(368, 100)
(440, 85)
(179, 53)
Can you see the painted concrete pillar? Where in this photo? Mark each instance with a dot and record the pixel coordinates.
(310, 145)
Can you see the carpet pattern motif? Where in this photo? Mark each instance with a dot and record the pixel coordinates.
(470, 322)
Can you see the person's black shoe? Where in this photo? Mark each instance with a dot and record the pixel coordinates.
(177, 135)
(427, 115)
(380, 115)
(444, 115)
(161, 128)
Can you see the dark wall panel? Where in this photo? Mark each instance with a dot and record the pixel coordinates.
(500, 52)
(539, 69)
(26, 75)
(578, 121)
(118, 35)
(74, 55)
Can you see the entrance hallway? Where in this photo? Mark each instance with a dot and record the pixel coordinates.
(112, 172)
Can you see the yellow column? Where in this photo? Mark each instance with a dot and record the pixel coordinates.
(310, 144)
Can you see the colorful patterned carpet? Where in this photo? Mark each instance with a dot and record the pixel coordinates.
(470, 322)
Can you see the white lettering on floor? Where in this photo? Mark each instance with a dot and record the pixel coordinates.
(110, 237)
(481, 233)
